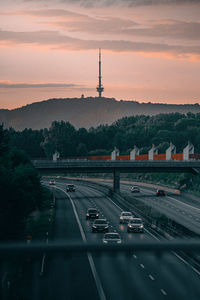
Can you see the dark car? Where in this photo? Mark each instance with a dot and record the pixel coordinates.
(135, 225)
(100, 225)
(92, 213)
(160, 193)
(70, 188)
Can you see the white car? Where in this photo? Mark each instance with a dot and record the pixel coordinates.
(125, 217)
(52, 182)
(135, 189)
(112, 238)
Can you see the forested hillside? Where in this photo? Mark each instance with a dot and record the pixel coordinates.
(142, 131)
(85, 112)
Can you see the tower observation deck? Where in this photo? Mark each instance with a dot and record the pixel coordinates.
(100, 87)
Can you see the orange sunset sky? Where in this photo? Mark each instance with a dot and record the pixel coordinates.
(49, 49)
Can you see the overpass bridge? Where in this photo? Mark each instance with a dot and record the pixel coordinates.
(116, 167)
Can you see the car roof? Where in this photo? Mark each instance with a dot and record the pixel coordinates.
(97, 220)
(125, 212)
(92, 208)
(111, 233)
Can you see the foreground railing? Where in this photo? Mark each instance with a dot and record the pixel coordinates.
(40, 271)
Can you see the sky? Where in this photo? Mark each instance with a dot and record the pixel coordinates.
(49, 49)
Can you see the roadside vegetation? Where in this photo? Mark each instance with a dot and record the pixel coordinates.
(141, 130)
(21, 193)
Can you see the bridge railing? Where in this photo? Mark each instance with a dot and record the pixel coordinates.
(22, 265)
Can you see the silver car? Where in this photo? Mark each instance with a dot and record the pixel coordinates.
(135, 225)
(135, 189)
(125, 217)
(112, 238)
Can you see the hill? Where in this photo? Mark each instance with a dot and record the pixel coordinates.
(85, 112)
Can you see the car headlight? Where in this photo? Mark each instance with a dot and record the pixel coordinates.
(94, 226)
(121, 218)
(97, 215)
(106, 226)
(87, 215)
(119, 242)
(105, 242)
(129, 225)
(141, 226)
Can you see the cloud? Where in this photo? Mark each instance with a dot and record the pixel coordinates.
(171, 29)
(11, 85)
(55, 40)
(76, 22)
(106, 3)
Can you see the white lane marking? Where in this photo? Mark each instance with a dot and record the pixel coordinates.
(142, 266)
(183, 203)
(185, 262)
(151, 234)
(151, 277)
(180, 258)
(163, 292)
(91, 262)
(135, 256)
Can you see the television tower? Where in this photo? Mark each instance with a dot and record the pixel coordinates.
(100, 86)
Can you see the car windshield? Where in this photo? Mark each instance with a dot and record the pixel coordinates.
(126, 214)
(136, 221)
(111, 236)
(100, 222)
(70, 185)
(92, 211)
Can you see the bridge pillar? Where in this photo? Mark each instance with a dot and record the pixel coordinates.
(151, 152)
(116, 180)
(114, 154)
(171, 150)
(56, 155)
(134, 152)
(189, 149)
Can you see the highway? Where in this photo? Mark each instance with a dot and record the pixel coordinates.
(134, 276)
(183, 209)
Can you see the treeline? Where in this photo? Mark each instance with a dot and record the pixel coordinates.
(142, 131)
(20, 189)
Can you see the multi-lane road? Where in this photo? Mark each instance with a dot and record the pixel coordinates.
(109, 276)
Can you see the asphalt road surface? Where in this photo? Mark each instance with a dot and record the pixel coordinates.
(109, 276)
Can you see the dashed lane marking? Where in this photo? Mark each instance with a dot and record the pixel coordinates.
(142, 266)
(151, 277)
(163, 292)
(91, 262)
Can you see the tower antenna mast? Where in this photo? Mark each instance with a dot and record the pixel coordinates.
(100, 87)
